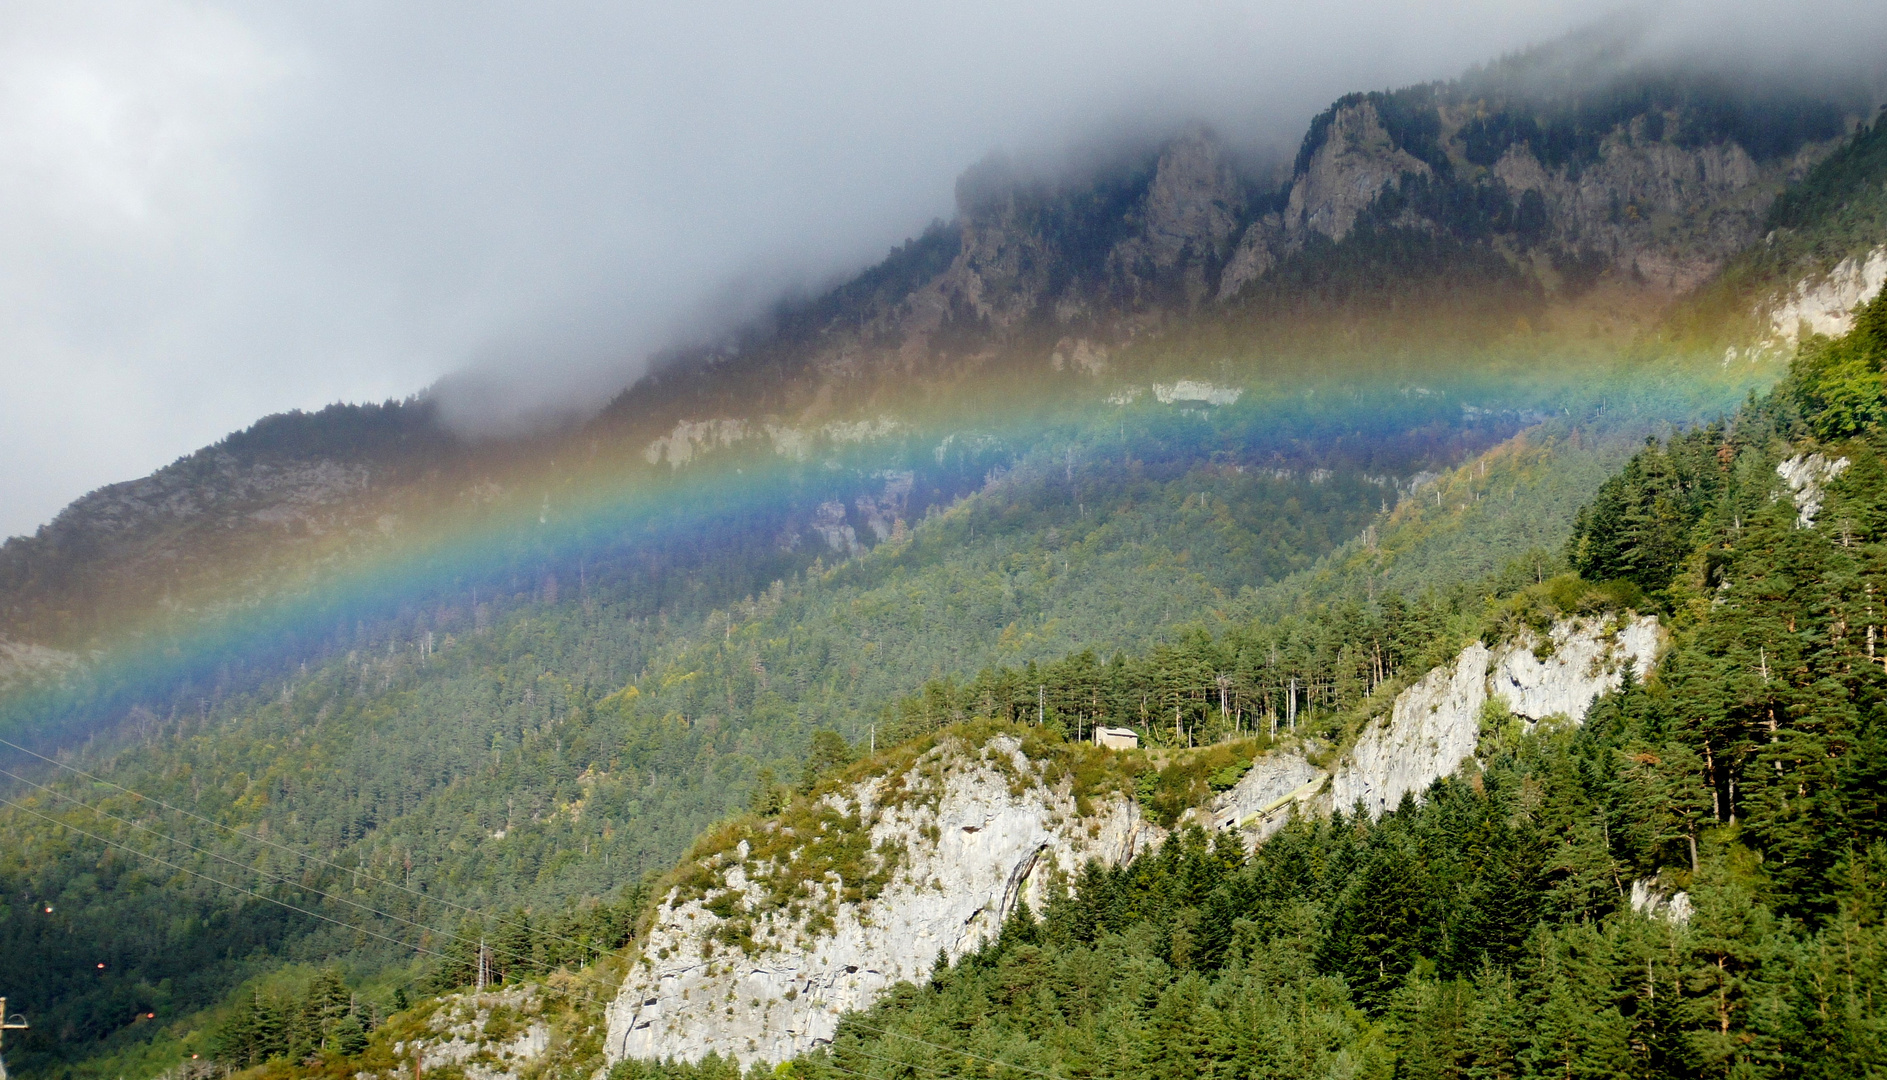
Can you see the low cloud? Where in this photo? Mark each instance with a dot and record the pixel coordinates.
(216, 210)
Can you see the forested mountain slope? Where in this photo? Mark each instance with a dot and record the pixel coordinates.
(1688, 884)
(1512, 192)
(421, 689)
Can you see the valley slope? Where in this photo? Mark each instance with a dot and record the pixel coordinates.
(1152, 442)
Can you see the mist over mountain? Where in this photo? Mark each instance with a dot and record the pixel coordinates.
(1384, 588)
(231, 210)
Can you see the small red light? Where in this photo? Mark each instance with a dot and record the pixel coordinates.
(101, 967)
(150, 1016)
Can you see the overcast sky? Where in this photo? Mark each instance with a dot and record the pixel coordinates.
(210, 211)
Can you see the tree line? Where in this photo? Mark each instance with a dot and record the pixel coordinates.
(1688, 884)
(1260, 678)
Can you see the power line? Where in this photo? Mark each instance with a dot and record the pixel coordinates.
(302, 910)
(277, 878)
(218, 881)
(280, 847)
(362, 907)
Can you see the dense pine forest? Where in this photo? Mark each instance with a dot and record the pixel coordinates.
(290, 852)
(1688, 884)
(1684, 516)
(568, 734)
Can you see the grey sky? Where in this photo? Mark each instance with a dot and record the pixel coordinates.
(211, 210)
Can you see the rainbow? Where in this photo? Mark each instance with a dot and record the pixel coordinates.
(638, 507)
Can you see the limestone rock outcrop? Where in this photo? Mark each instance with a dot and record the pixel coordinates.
(960, 836)
(1826, 305)
(1435, 724)
(757, 949)
(1582, 659)
(1806, 474)
(496, 1035)
(1264, 798)
(1432, 726)
(1346, 174)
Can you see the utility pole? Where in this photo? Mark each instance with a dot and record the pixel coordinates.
(8, 1023)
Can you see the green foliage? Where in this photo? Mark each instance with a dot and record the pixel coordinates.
(293, 1022)
(1531, 611)
(526, 752)
(1838, 185)
(1263, 678)
(1488, 929)
(544, 754)
(1641, 526)
(828, 753)
(711, 1067)
(1185, 780)
(1838, 384)
(769, 795)
(371, 1041)
(1201, 575)
(1497, 927)
(600, 736)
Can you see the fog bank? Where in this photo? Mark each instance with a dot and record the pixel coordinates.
(222, 209)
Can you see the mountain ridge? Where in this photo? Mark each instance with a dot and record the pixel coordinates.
(1076, 271)
(521, 675)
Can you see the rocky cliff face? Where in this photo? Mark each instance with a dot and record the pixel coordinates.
(1128, 238)
(740, 963)
(1347, 173)
(1435, 724)
(760, 947)
(1342, 178)
(1668, 215)
(1825, 305)
(1190, 218)
(1646, 193)
(1662, 212)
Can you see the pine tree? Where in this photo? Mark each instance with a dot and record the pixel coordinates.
(323, 1005)
(515, 945)
(1180, 1032)
(1379, 924)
